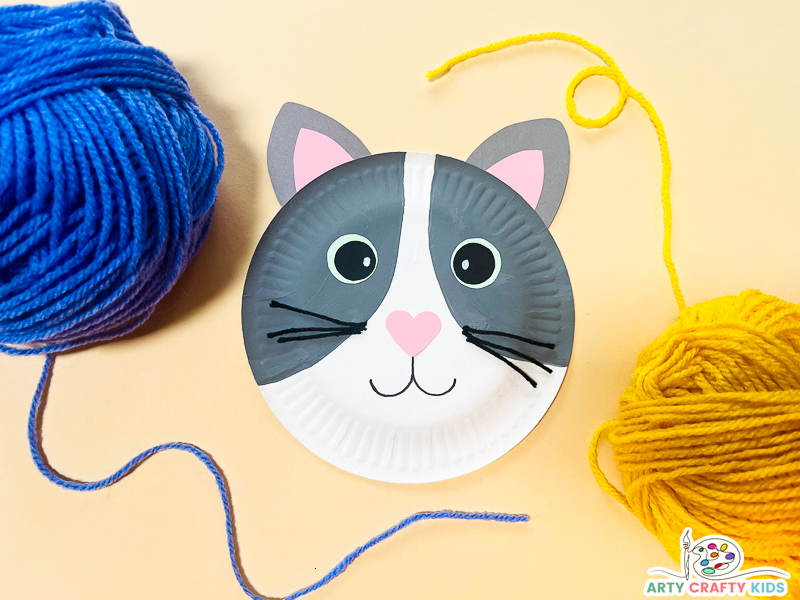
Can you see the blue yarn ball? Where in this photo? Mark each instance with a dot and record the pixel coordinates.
(108, 176)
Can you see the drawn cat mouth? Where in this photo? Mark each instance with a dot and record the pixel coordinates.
(412, 379)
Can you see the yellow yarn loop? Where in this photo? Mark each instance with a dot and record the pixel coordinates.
(613, 75)
(708, 432)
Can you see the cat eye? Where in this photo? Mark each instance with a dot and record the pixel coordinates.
(352, 258)
(475, 263)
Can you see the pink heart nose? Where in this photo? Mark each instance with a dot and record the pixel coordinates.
(413, 334)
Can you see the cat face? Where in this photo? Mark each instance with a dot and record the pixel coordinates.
(407, 316)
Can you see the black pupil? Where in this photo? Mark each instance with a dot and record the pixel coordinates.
(473, 263)
(355, 261)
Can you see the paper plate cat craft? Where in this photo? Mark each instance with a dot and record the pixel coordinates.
(407, 316)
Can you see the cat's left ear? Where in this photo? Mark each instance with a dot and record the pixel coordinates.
(303, 145)
(533, 159)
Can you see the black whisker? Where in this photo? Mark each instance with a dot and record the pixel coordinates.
(314, 333)
(273, 334)
(344, 331)
(468, 329)
(497, 355)
(276, 304)
(514, 352)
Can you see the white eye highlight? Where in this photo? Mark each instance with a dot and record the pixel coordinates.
(475, 263)
(352, 258)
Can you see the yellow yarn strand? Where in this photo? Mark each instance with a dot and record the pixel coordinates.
(611, 71)
(708, 432)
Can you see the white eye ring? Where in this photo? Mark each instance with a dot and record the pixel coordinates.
(495, 254)
(341, 241)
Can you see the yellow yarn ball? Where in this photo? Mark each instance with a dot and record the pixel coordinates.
(708, 432)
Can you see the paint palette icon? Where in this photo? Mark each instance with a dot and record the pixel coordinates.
(716, 558)
(711, 558)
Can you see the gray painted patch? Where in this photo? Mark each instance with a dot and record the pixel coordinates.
(290, 264)
(280, 149)
(532, 295)
(547, 135)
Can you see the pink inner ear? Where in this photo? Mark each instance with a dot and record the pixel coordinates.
(314, 154)
(523, 172)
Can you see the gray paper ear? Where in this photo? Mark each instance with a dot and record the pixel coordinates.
(303, 145)
(533, 159)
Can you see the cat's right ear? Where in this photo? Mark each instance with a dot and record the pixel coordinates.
(303, 145)
(533, 159)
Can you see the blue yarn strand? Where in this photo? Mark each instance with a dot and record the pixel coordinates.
(34, 441)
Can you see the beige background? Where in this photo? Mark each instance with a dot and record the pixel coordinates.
(725, 77)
